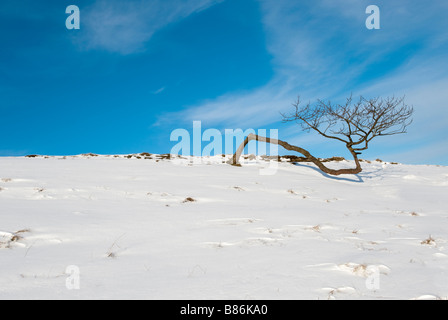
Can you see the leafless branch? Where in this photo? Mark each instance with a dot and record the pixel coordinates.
(355, 124)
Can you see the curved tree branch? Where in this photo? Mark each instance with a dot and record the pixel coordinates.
(354, 124)
(235, 158)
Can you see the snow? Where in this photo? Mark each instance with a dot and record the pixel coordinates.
(296, 234)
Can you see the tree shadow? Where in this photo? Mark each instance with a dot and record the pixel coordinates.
(358, 178)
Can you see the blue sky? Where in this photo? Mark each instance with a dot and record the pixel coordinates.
(137, 70)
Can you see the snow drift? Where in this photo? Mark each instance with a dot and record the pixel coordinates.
(153, 227)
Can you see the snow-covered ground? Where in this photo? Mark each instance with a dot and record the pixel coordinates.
(166, 229)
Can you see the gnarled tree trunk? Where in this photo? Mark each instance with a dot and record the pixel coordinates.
(235, 159)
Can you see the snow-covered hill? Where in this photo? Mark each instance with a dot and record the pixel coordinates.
(148, 227)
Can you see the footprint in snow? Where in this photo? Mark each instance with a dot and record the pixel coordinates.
(233, 221)
(8, 239)
(430, 297)
(250, 242)
(331, 292)
(168, 197)
(363, 270)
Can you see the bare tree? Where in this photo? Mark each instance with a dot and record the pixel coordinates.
(355, 124)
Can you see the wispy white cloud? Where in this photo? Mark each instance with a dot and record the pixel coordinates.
(233, 110)
(158, 91)
(301, 61)
(125, 26)
(322, 49)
